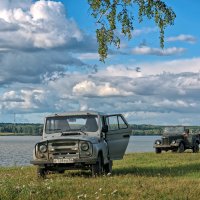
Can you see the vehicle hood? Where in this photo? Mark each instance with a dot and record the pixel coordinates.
(79, 137)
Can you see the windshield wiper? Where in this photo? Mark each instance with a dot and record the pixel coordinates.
(73, 132)
(82, 132)
(69, 133)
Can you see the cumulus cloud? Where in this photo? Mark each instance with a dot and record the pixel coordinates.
(120, 70)
(11, 96)
(145, 50)
(37, 40)
(175, 66)
(34, 67)
(149, 95)
(11, 4)
(89, 88)
(174, 104)
(88, 56)
(183, 38)
(164, 95)
(23, 100)
(5, 27)
(146, 30)
(42, 25)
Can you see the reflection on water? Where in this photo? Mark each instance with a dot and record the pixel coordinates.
(17, 150)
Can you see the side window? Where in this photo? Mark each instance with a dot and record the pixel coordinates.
(112, 123)
(115, 122)
(122, 124)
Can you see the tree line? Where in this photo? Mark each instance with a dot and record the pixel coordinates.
(145, 129)
(36, 129)
(21, 129)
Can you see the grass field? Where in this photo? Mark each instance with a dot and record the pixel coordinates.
(140, 176)
(6, 134)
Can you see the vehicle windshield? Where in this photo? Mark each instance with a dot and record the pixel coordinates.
(82, 123)
(173, 130)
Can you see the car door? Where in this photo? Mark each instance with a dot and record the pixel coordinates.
(117, 135)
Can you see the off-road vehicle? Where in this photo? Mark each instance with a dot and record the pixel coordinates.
(81, 140)
(177, 139)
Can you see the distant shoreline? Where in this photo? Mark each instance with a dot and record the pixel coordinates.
(14, 134)
(17, 129)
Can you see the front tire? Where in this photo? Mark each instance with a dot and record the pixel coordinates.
(61, 171)
(41, 172)
(181, 148)
(97, 168)
(174, 150)
(108, 167)
(158, 150)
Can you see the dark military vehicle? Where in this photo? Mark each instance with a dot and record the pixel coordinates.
(177, 139)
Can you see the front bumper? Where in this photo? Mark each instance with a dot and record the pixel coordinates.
(80, 161)
(171, 146)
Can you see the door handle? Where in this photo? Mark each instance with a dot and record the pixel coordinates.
(126, 136)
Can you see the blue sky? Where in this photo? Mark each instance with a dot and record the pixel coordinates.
(49, 64)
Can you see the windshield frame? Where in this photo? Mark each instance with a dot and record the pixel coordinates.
(174, 130)
(80, 129)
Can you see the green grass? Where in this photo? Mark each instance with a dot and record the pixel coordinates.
(6, 134)
(140, 176)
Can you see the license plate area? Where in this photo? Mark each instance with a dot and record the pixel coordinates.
(63, 160)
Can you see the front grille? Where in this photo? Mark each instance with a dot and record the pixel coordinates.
(165, 140)
(63, 144)
(63, 149)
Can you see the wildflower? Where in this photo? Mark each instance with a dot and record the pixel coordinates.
(48, 188)
(114, 192)
(80, 196)
(17, 188)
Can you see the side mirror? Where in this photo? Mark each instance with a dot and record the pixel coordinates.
(105, 128)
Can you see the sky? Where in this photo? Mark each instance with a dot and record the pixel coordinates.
(49, 64)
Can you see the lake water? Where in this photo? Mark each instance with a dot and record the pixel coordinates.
(17, 150)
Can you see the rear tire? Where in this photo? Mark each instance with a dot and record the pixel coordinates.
(97, 168)
(195, 149)
(61, 171)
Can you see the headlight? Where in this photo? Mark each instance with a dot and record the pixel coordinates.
(174, 142)
(43, 148)
(84, 146)
(158, 142)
